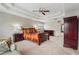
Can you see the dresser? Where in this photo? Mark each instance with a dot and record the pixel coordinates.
(50, 32)
(71, 32)
(18, 37)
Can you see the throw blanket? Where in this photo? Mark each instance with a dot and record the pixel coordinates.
(4, 45)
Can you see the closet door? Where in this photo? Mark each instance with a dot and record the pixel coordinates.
(71, 32)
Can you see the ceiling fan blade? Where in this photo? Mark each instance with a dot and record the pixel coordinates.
(41, 10)
(46, 11)
(43, 13)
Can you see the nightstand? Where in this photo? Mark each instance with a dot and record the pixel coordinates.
(18, 37)
(50, 32)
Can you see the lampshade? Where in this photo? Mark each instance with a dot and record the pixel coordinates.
(17, 28)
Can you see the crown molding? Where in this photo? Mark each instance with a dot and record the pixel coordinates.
(18, 12)
(11, 8)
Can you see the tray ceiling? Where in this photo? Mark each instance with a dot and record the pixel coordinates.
(26, 9)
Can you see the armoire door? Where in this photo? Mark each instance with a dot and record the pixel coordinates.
(71, 32)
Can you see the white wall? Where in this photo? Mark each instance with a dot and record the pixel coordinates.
(7, 20)
(71, 13)
(54, 25)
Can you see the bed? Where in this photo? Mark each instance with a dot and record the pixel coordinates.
(33, 35)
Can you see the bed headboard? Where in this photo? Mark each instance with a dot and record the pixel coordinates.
(29, 30)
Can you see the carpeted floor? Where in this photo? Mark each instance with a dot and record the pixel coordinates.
(54, 46)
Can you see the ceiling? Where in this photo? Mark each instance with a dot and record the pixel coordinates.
(54, 8)
(26, 9)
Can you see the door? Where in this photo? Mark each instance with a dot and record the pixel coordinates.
(71, 32)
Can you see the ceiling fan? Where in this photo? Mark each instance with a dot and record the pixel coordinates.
(41, 11)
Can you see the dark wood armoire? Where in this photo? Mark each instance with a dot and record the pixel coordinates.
(71, 32)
